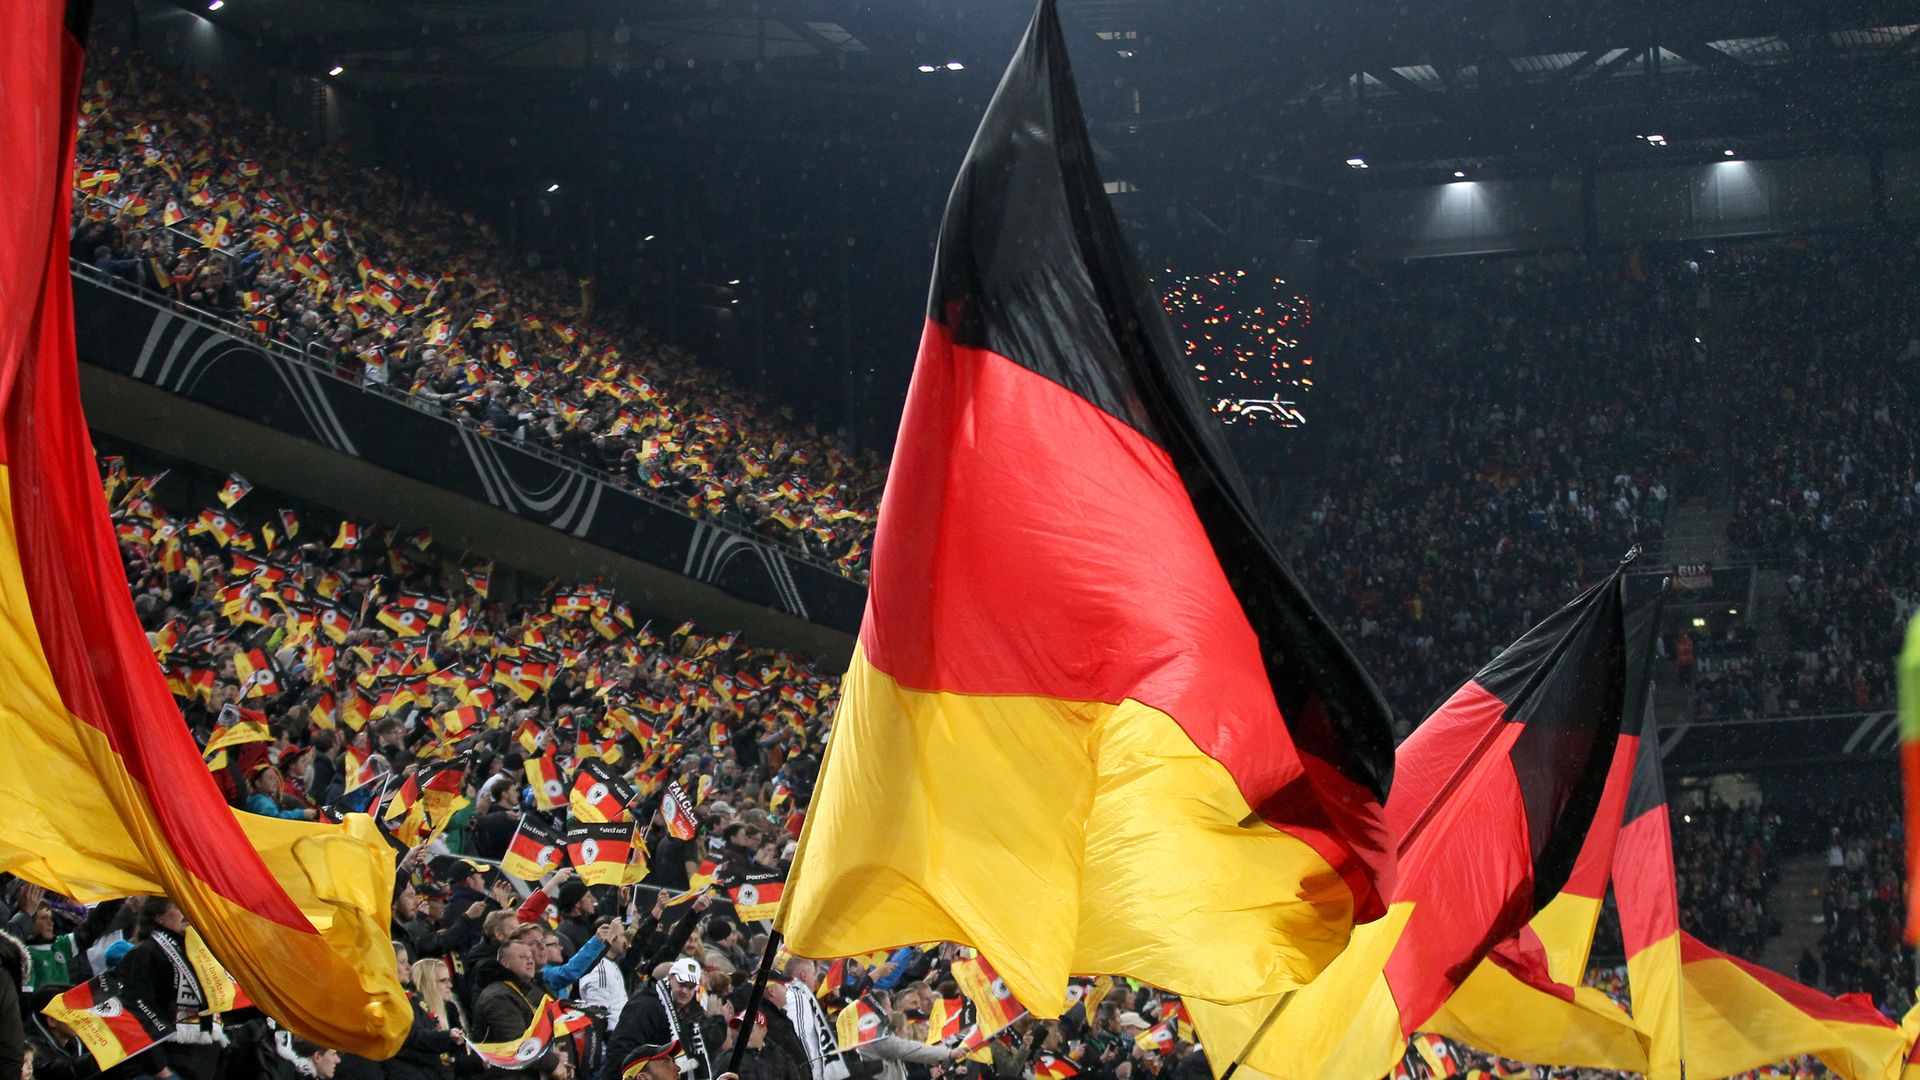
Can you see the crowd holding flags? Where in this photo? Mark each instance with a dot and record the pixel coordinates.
(1134, 712)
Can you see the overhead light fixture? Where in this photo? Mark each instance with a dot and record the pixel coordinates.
(955, 65)
(336, 70)
(1728, 152)
(1357, 162)
(551, 188)
(216, 5)
(733, 301)
(1459, 174)
(1655, 140)
(735, 281)
(929, 67)
(649, 236)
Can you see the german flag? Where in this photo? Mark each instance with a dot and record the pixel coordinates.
(534, 851)
(1053, 1067)
(259, 675)
(222, 527)
(1071, 595)
(356, 708)
(358, 770)
(402, 622)
(456, 724)
(1526, 1001)
(237, 727)
(113, 1025)
(334, 621)
(543, 776)
(522, 1052)
(994, 1005)
(600, 850)
(944, 1021)
(348, 537)
(234, 490)
(757, 895)
(859, 1023)
(1492, 801)
(598, 795)
(105, 788)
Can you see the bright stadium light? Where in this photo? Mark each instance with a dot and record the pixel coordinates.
(1356, 163)
(216, 5)
(1728, 152)
(929, 67)
(955, 65)
(551, 188)
(1655, 140)
(1459, 174)
(735, 281)
(649, 236)
(337, 69)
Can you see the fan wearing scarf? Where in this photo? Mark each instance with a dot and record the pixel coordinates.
(157, 969)
(668, 1013)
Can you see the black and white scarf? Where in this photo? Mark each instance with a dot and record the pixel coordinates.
(826, 1043)
(688, 1035)
(189, 999)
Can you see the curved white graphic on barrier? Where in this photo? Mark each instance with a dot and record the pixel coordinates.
(713, 548)
(581, 492)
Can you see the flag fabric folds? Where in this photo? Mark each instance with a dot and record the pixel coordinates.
(1693, 1006)
(1070, 596)
(1492, 799)
(105, 790)
(1526, 1001)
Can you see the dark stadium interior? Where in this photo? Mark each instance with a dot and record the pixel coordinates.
(618, 300)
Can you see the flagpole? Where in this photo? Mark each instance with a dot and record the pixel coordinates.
(753, 1002)
(1258, 1034)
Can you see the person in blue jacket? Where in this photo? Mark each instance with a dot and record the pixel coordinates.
(263, 796)
(560, 977)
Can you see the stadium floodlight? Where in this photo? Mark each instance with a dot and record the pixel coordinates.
(649, 236)
(1655, 140)
(1356, 162)
(929, 67)
(337, 70)
(551, 188)
(955, 65)
(1459, 174)
(216, 5)
(735, 281)
(1728, 151)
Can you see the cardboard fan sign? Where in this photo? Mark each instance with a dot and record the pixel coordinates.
(677, 809)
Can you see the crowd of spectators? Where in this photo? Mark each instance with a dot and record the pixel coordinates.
(1514, 433)
(1863, 906)
(203, 199)
(1723, 861)
(372, 661)
(1826, 475)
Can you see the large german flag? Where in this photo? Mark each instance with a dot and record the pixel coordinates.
(1492, 799)
(1081, 662)
(104, 788)
(1525, 1001)
(1692, 1005)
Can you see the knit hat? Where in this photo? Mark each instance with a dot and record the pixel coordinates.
(570, 893)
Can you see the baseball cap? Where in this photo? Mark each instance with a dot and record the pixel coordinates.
(637, 1061)
(686, 970)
